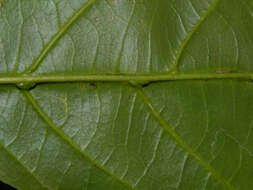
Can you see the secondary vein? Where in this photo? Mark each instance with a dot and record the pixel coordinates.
(68, 140)
(192, 32)
(56, 38)
(181, 142)
(22, 165)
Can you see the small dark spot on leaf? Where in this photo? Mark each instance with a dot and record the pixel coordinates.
(145, 85)
(93, 85)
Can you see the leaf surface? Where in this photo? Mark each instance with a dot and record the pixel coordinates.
(126, 94)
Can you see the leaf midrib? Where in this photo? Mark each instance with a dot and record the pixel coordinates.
(130, 78)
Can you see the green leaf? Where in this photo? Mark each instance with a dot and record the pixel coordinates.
(126, 94)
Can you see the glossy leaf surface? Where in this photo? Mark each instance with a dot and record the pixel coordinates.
(126, 94)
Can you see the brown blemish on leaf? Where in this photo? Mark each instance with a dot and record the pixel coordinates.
(96, 19)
